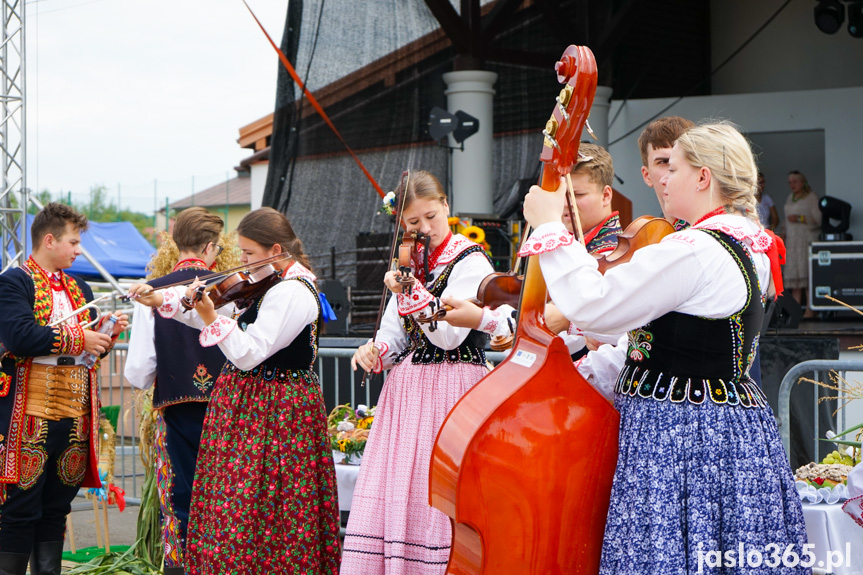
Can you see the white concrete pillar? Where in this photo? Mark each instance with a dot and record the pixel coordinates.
(472, 91)
(599, 116)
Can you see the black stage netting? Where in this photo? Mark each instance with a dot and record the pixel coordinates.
(377, 69)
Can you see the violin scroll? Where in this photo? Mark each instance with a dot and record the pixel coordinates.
(189, 302)
(408, 248)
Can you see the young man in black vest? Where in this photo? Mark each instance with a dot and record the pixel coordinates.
(168, 353)
(49, 399)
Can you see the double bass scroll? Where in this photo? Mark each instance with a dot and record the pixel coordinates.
(523, 463)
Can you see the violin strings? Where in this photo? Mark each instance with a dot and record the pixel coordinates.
(221, 275)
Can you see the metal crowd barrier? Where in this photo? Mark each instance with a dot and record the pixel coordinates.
(819, 367)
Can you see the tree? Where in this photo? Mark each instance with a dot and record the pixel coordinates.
(100, 209)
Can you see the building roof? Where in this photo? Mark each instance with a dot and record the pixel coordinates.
(235, 192)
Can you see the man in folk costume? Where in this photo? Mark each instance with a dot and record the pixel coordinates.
(168, 353)
(49, 399)
(591, 179)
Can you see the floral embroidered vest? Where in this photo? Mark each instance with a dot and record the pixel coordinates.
(680, 357)
(422, 350)
(188, 376)
(302, 352)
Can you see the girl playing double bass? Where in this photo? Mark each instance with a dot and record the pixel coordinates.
(700, 468)
(264, 495)
(392, 528)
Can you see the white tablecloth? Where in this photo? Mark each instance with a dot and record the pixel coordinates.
(831, 529)
(346, 477)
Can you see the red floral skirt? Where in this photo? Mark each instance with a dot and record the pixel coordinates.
(264, 498)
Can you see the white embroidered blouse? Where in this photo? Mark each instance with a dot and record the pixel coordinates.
(687, 272)
(286, 309)
(462, 284)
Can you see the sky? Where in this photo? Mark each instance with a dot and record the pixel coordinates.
(144, 97)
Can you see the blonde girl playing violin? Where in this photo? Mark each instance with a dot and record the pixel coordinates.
(392, 528)
(264, 494)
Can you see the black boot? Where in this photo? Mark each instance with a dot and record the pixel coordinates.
(46, 558)
(13, 563)
(173, 571)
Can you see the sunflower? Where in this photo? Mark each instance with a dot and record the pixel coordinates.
(452, 221)
(474, 234)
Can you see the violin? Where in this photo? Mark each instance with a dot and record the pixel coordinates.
(509, 518)
(500, 288)
(408, 249)
(242, 287)
(495, 290)
(642, 232)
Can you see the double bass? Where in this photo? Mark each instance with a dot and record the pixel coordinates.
(523, 464)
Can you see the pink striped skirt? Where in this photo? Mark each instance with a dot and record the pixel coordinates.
(392, 529)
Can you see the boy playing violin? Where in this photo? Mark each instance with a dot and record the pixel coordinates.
(591, 179)
(183, 381)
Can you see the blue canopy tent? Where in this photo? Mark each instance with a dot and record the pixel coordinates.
(118, 246)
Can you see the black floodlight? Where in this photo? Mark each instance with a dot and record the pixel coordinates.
(441, 123)
(855, 19)
(834, 209)
(467, 126)
(829, 15)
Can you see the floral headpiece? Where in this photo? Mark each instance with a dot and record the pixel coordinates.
(388, 204)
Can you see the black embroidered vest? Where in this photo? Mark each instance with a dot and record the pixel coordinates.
(680, 357)
(302, 352)
(188, 375)
(470, 350)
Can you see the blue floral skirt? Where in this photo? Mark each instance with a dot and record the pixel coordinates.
(694, 485)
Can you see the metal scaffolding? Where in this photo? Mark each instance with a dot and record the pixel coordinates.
(13, 160)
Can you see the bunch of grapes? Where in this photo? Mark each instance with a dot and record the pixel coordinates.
(836, 457)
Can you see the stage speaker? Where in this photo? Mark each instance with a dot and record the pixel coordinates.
(498, 235)
(783, 312)
(373, 253)
(338, 298)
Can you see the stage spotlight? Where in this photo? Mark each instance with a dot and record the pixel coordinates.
(838, 210)
(855, 19)
(829, 15)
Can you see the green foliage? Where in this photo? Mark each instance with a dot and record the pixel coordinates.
(129, 562)
(149, 540)
(102, 209)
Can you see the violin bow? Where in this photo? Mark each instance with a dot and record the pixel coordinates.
(405, 181)
(573, 210)
(219, 275)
